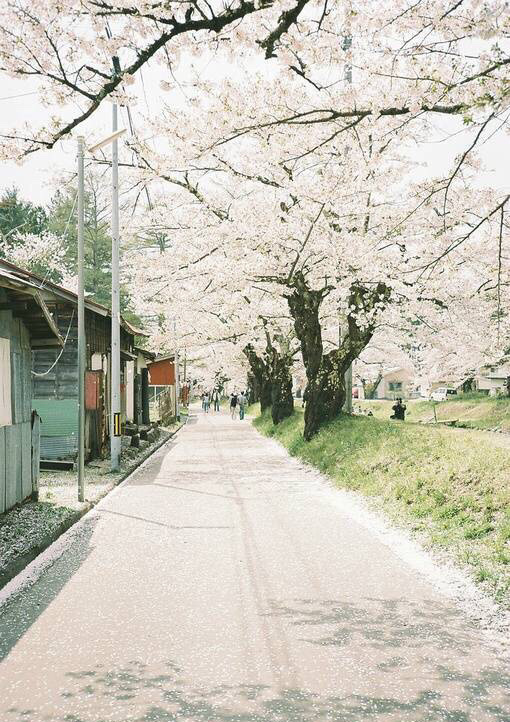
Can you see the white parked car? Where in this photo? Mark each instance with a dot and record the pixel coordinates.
(442, 393)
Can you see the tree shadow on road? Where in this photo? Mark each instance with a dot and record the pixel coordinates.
(421, 657)
(165, 697)
(379, 623)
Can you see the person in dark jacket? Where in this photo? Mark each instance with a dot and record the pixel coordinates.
(399, 411)
(233, 405)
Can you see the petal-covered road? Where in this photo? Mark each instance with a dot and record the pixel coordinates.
(222, 584)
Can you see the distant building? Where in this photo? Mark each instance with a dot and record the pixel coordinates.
(395, 382)
(493, 379)
(137, 386)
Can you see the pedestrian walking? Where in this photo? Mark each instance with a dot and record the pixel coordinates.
(233, 405)
(206, 402)
(216, 400)
(242, 403)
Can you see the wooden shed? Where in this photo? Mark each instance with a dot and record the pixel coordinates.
(25, 326)
(55, 374)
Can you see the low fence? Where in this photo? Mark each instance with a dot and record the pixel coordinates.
(19, 462)
(162, 404)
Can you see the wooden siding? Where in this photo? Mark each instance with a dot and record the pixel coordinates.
(15, 439)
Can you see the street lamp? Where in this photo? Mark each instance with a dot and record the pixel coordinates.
(115, 360)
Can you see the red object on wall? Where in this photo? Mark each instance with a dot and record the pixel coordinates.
(161, 373)
(92, 390)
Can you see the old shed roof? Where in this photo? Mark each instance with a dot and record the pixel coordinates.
(25, 299)
(46, 287)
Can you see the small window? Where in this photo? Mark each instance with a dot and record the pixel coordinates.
(5, 382)
(395, 385)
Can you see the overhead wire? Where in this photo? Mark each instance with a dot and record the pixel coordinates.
(20, 95)
(45, 373)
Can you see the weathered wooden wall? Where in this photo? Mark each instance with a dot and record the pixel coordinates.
(56, 389)
(16, 439)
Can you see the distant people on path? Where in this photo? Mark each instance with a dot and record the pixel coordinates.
(242, 403)
(206, 402)
(233, 405)
(216, 400)
(399, 411)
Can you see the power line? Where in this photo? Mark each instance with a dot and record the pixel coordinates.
(21, 95)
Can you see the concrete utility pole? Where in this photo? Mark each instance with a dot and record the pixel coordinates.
(177, 378)
(115, 438)
(348, 374)
(82, 342)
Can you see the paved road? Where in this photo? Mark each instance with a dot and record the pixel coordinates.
(221, 584)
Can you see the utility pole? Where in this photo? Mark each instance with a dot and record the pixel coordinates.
(115, 422)
(177, 379)
(115, 351)
(348, 374)
(82, 342)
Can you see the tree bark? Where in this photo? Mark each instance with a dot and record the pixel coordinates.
(325, 392)
(282, 401)
(273, 379)
(261, 371)
(370, 387)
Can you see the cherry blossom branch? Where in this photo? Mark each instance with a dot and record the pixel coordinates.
(285, 21)
(173, 28)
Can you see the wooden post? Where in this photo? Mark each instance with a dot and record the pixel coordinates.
(36, 454)
(145, 397)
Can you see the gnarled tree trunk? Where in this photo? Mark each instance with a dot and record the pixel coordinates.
(282, 401)
(325, 392)
(261, 372)
(273, 379)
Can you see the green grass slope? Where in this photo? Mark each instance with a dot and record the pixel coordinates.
(470, 410)
(451, 485)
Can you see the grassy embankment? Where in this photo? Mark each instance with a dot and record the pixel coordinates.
(452, 486)
(469, 410)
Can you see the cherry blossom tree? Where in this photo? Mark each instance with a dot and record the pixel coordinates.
(85, 51)
(340, 222)
(290, 201)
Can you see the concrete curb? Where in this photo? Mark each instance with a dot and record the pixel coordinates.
(21, 562)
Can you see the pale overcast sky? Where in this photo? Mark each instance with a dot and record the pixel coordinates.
(36, 178)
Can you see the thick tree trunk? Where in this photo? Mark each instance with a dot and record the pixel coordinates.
(253, 389)
(282, 401)
(325, 392)
(325, 396)
(273, 380)
(261, 371)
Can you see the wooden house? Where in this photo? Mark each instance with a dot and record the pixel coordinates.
(55, 374)
(26, 326)
(396, 382)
